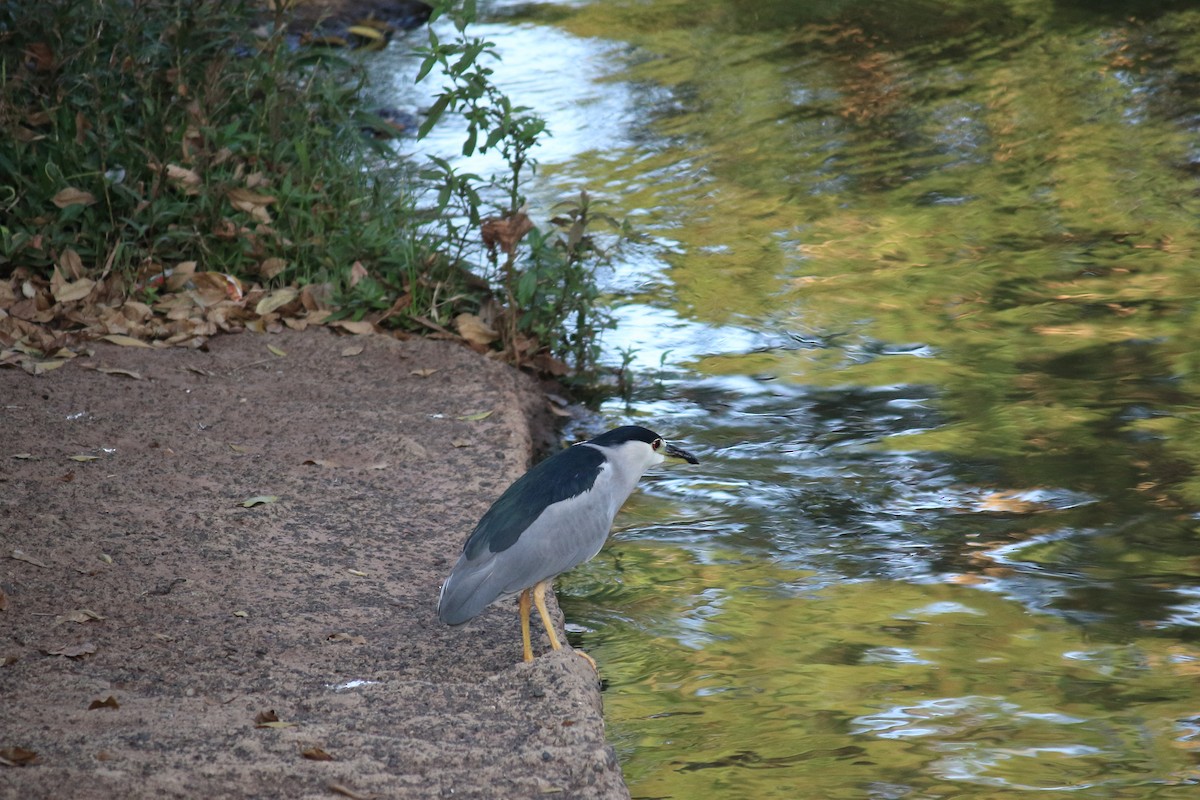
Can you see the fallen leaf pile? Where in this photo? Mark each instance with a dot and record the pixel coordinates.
(73, 650)
(46, 322)
(43, 323)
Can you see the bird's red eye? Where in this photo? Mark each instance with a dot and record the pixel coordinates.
(657, 444)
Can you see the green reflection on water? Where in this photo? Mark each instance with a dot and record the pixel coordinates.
(1011, 184)
(995, 203)
(847, 689)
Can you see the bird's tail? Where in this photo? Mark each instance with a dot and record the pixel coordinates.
(465, 593)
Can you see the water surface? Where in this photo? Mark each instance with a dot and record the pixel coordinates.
(919, 283)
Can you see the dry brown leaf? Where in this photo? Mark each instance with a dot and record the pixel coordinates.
(21, 555)
(128, 373)
(357, 273)
(547, 364)
(316, 754)
(75, 290)
(39, 57)
(187, 180)
(401, 303)
(317, 462)
(79, 615)
(83, 459)
(270, 267)
(178, 277)
(278, 352)
(352, 350)
(241, 614)
(71, 264)
(71, 196)
(346, 637)
(41, 367)
(16, 756)
(475, 330)
(269, 719)
(211, 288)
(73, 650)
(505, 232)
(276, 300)
(247, 198)
(135, 311)
(108, 702)
(337, 788)
(424, 372)
(252, 203)
(124, 341)
(359, 328)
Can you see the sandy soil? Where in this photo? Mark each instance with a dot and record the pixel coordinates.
(132, 569)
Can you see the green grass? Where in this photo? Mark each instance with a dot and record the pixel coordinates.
(141, 137)
(161, 115)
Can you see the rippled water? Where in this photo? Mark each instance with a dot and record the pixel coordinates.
(919, 284)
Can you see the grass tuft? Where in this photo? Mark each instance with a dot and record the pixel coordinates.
(145, 134)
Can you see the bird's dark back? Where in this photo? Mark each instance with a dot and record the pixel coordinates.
(564, 475)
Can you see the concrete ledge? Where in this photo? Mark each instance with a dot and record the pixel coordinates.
(319, 606)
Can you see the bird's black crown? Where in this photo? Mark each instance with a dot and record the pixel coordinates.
(626, 433)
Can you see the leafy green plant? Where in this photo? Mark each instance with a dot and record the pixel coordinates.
(546, 278)
(556, 287)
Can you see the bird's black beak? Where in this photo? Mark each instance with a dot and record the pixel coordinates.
(671, 451)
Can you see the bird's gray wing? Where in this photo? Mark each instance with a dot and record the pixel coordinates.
(564, 534)
(566, 474)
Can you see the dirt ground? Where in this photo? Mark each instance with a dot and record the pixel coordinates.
(133, 568)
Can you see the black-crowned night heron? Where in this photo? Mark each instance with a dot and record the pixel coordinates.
(554, 517)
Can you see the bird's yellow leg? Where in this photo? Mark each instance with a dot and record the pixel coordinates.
(539, 599)
(523, 605)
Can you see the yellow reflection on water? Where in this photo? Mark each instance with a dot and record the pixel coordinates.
(722, 685)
